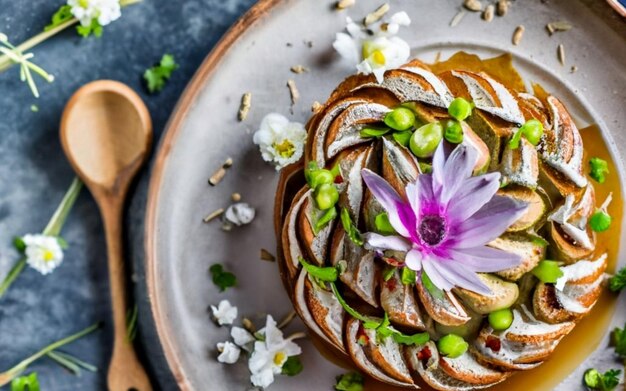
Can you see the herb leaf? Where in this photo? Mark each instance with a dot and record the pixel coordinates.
(324, 219)
(350, 228)
(351, 381)
(408, 276)
(94, 28)
(23, 383)
(292, 366)
(327, 274)
(383, 226)
(599, 168)
(415, 339)
(157, 75)
(618, 281)
(63, 14)
(619, 338)
(606, 381)
(19, 244)
(222, 279)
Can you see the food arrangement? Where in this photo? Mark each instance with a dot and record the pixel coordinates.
(441, 225)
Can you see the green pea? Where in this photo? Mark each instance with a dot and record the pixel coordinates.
(533, 130)
(501, 319)
(425, 139)
(600, 221)
(548, 271)
(320, 177)
(383, 225)
(592, 378)
(400, 118)
(326, 196)
(453, 132)
(460, 109)
(452, 346)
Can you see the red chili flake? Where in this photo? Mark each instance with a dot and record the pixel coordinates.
(392, 261)
(424, 355)
(493, 343)
(338, 179)
(361, 336)
(391, 284)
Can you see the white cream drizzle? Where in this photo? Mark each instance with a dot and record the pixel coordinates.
(579, 270)
(438, 85)
(576, 230)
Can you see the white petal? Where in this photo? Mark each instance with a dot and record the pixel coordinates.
(263, 378)
(241, 336)
(413, 260)
(400, 18)
(224, 313)
(229, 352)
(346, 46)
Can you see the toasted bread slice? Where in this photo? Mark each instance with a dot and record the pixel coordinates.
(399, 166)
(526, 246)
(398, 301)
(326, 310)
(443, 308)
(291, 249)
(315, 244)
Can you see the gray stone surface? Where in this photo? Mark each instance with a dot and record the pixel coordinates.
(34, 175)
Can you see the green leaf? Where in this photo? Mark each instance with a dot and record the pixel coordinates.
(292, 366)
(19, 244)
(599, 168)
(131, 323)
(25, 383)
(383, 226)
(351, 311)
(408, 276)
(94, 28)
(370, 132)
(62, 242)
(351, 230)
(388, 272)
(602, 381)
(618, 281)
(415, 339)
(327, 274)
(430, 287)
(63, 14)
(425, 168)
(222, 279)
(324, 219)
(619, 340)
(351, 381)
(157, 75)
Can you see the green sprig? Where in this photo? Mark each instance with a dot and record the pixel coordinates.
(351, 381)
(292, 366)
(221, 278)
(351, 230)
(26, 383)
(156, 76)
(618, 281)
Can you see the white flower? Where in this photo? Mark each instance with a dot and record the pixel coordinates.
(104, 11)
(229, 352)
(281, 142)
(242, 338)
(374, 52)
(224, 313)
(270, 355)
(43, 253)
(239, 214)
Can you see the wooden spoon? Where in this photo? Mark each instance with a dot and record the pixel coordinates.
(106, 133)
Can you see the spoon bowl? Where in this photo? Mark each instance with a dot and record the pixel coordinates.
(106, 133)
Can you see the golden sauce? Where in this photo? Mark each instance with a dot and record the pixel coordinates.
(588, 333)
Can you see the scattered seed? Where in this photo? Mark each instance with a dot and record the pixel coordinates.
(573, 69)
(502, 7)
(316, 106)
(293, 90)
(287, 319)
(437, 57)
(561, 54)
(489, 12)
(236, 197)
(473, 5)
(244, 108)
(267, 256)
(213, 215)
(218, 175)
(248, 325)
(518, 34)
(561, 25)
(376, 15)
(299, 69)
(309, 44)
(343, 4)
(457, 18)
(289, 44)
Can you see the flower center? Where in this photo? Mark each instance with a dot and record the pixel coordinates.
(432, 229)
(279, 358)
(285, 149)
(48, 255)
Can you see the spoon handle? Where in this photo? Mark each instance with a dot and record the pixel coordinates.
(125, 370)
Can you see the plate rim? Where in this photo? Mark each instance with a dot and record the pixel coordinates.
(173, 127)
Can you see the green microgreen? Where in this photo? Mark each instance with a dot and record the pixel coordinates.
(619, 341)
(383, 226)
(388, 272)
(372, 132)
(61, 16)
(431, 287)
(156, 76)
(618, 281)
(326, 274)
(408, 276)
(25, 383)
(351, 230)
(16, 56)
(221, 278)
(606, 381)
(599, 168)
(292, 366)
(324, 219)
(351, 381)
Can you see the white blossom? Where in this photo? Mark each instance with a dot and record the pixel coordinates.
(242, 338)
(229, 352)
(375, 50)
(104, 11)
(43, 253)
(224, 313)
(281, 142)
(270, 355)
(239, 214)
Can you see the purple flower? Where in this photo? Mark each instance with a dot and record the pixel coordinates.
(446, 221)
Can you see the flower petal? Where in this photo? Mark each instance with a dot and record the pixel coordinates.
(488, 223)
(380, 242)
(413, 260)
(458, 167)
(485, 259)
(472, 195)
(401, 216)
(439, 162)
(458, 275)
(432, 268)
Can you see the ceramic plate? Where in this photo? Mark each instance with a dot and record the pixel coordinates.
(255, 56)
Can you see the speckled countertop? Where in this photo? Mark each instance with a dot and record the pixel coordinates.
(34, 175)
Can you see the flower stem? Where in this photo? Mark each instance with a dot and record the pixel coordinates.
(60, 215)
(6, 63)
(7, 376)
(13, 273)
